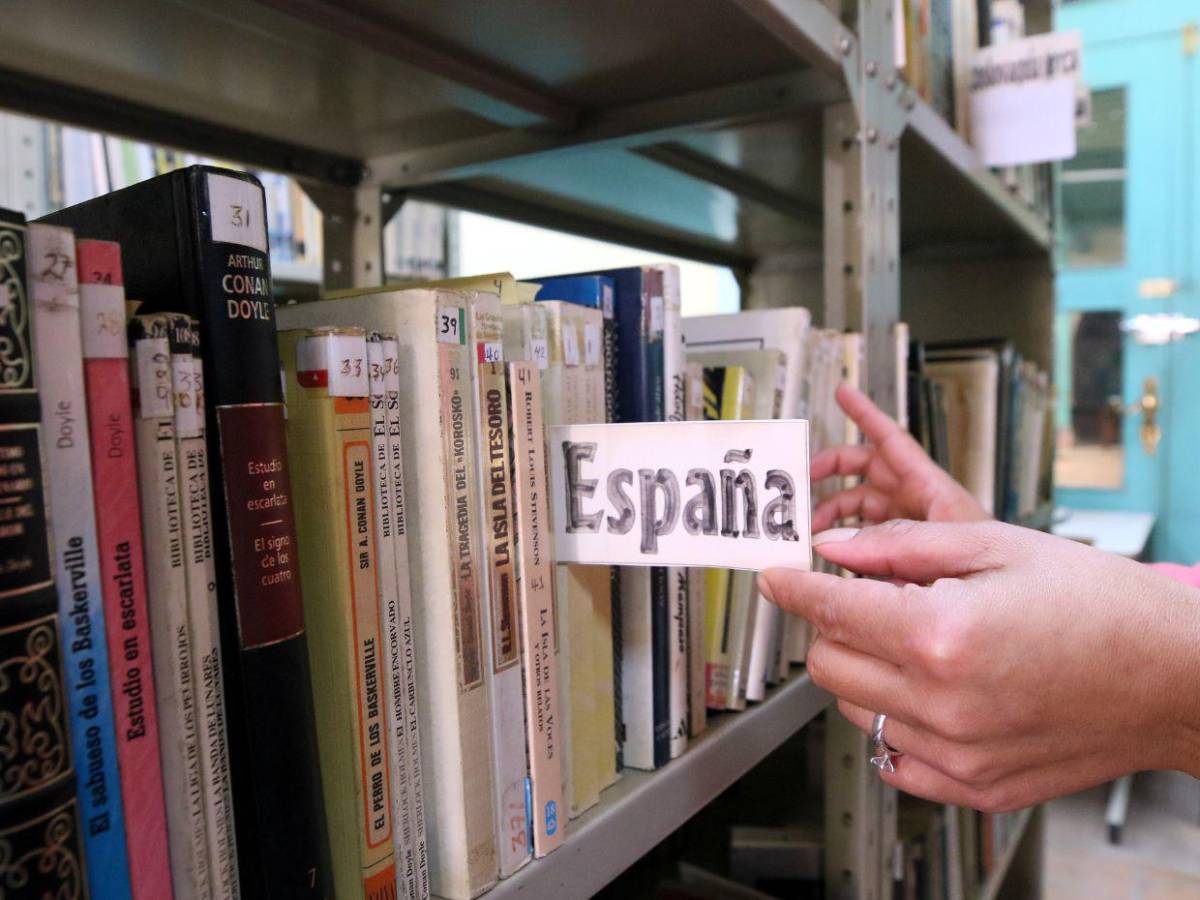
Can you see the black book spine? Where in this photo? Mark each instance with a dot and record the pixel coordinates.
(283, 844)
(39, 818)
(610, 415)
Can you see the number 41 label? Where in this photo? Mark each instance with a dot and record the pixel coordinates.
(451, 328)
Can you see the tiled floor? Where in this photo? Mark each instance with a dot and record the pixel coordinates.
(1158, 858)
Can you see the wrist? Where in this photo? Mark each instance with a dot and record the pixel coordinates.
(1174, 645)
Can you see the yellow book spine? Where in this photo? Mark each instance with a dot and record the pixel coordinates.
(329, 439)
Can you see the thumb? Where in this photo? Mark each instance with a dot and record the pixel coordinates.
(920, 552)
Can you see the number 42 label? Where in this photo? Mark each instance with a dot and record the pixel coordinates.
(451, 327)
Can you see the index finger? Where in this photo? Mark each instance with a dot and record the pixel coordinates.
(876, 425)
(874, 617)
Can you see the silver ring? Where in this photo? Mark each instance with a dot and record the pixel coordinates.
(883, 755)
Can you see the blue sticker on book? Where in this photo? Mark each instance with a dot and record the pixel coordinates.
(551, 817)
(528, 814)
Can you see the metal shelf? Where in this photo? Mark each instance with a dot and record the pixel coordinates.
(642, 808)
(991, 888)
(597, 118)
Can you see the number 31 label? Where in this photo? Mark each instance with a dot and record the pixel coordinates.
(235, 208)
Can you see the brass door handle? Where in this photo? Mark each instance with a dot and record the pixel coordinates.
(1149, 405)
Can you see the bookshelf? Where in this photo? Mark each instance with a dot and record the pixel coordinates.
(764, 135)
(642, 808)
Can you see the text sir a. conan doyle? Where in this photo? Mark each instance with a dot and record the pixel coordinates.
(712, 510)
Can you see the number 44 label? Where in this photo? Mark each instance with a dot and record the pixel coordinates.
(451, 325)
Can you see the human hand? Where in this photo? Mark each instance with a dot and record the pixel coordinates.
(1013, 666)
(899, 480)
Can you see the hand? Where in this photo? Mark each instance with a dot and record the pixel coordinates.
(1013, 666)
(899, 480)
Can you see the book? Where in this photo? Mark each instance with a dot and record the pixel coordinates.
(39, 811)
(501, 643)
(596, 292)
(194, 241)
(697, 710)
(638, 312)
(674, 410)
(187, 387)
(54, 290)
(329, 433)
(395, 610)
(166, 583)
(452, 695)
(539, 627)
(577, 590)
(122, 573)
(970, 388)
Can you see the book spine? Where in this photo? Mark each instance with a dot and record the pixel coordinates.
(122, 573)
(166, 583)
(674, 398)
(283, 844)
(475, 818)
(610, 415)
(55, 293)
(401, 650)
(187, 389)
(539, 627)
(697, 715)
(510, 765)
(389, 591)
(327, 377)
(716, 581)
(39, 813)
(599, 578)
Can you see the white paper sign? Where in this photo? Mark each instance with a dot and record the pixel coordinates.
(726, 494)
(1023, 99)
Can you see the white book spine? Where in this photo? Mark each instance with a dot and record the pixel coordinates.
(170, 631)
(675, 406)
(389, 589)
(399, 623)
(207, 675)
(501, 639)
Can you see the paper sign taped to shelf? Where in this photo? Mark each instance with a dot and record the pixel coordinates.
(1025, 99)
(725, 494)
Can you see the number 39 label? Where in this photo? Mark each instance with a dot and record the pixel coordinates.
(451, 328)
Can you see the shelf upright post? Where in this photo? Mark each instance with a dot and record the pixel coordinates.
(353, 220)
(862, 293)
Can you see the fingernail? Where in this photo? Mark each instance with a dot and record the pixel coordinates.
(834, 536)
(764, 588)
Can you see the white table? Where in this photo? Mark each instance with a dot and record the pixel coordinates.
(1119, 532)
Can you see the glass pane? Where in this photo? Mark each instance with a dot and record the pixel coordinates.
(1092, 220)
(1088, 414)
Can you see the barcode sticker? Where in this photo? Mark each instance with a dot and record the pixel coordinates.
(591, 344)
(539, 352)
(656, 316)
(450, 326)
(153, 361)
(570, 342)
(491, 352)
(235, 209)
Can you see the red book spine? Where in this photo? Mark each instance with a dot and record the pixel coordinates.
(122, 572)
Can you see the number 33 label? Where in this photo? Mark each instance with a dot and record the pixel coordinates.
(235, 208)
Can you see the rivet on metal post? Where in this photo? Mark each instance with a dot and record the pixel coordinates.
(890, 81)
(872, 135)
(872, 70)
(845, 44)
(891, 144)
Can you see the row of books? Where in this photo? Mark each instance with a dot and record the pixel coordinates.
(949, 852)
(982, 412)
(313, 638)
